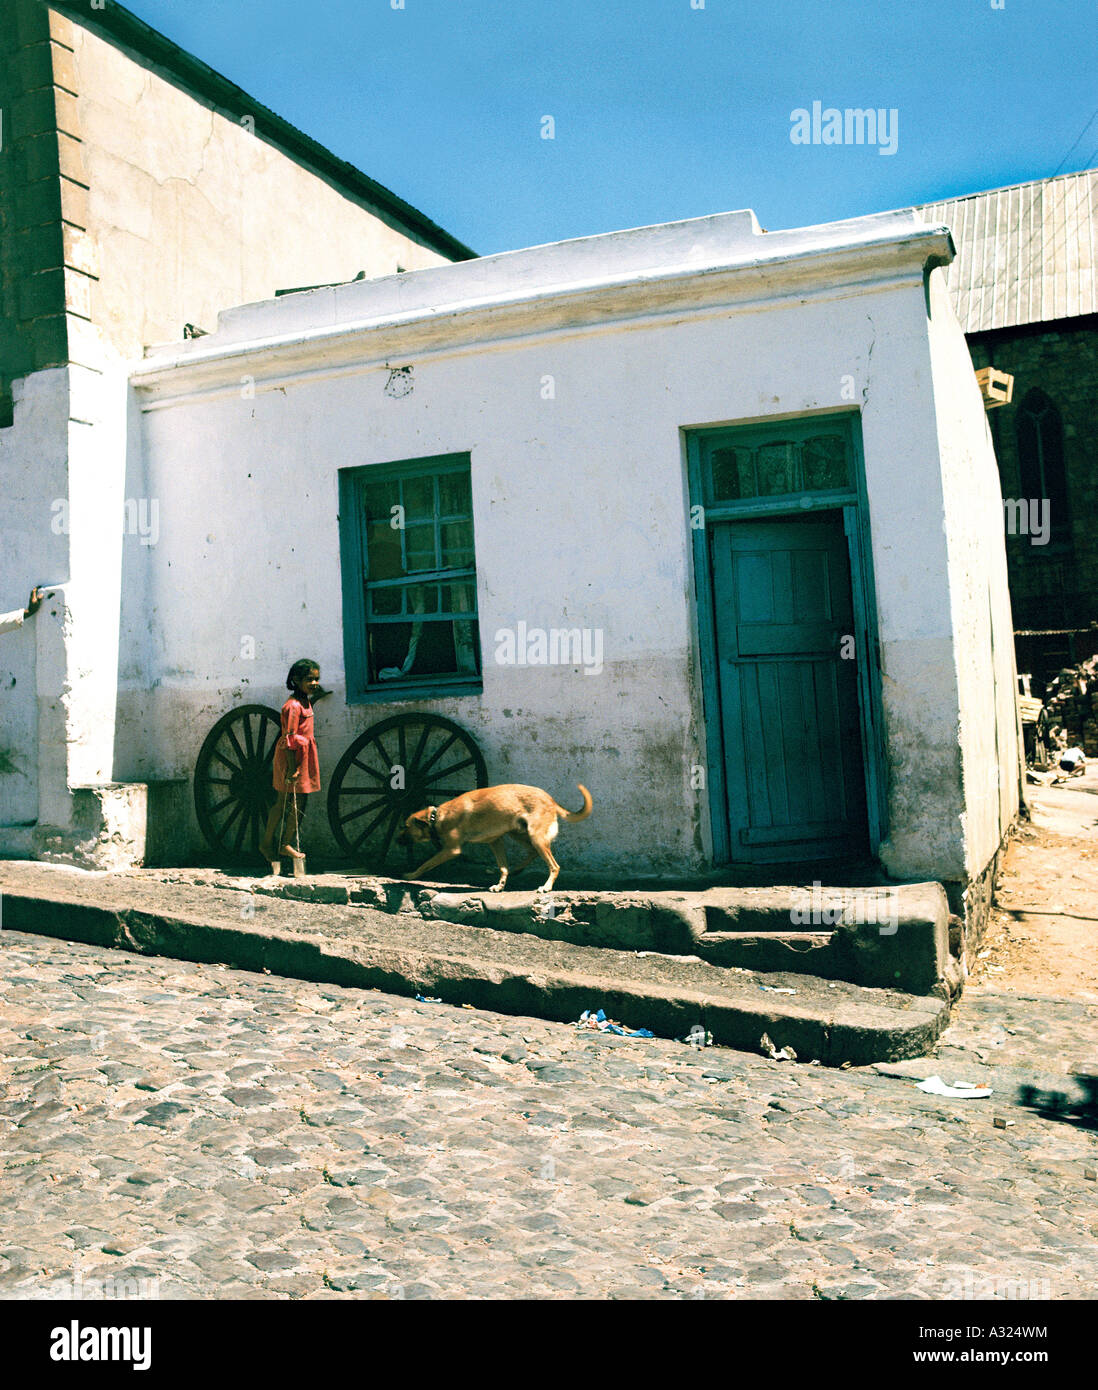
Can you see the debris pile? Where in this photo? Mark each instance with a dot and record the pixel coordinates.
(1071, 700)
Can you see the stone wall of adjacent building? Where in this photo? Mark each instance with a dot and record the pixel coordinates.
(36, 199)
(1052, 586)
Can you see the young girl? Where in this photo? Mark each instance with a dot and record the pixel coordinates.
(296, 766)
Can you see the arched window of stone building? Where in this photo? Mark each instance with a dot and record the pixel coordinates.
(1041, 459)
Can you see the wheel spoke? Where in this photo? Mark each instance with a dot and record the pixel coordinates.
(386, 760)
(392, 831)
(241, 755)
(365, 834)
(224, 829)
(219, 781)
(421, 745)
(241, 831)
(264, 725)
(220, 806)
(421, 768)
(454, 767)
(365, 810)
(370, 772)
(221, 758)
(249, 742)
(255, 829)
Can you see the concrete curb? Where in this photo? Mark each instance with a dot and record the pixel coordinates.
(506, 971)
(883, 938)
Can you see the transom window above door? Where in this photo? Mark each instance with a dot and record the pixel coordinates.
(760, 466)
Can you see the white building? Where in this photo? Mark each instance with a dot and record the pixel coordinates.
(745, 478)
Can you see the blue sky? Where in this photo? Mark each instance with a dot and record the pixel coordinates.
(661, 110)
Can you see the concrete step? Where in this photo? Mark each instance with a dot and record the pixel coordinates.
(507, 971)
(890, 938)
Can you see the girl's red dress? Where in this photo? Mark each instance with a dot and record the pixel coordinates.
(297, 733)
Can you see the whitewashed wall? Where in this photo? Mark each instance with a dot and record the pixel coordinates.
(33, 465)
(580, 521)
(980, 599)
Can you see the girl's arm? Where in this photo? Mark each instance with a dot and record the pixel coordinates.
(295, 742)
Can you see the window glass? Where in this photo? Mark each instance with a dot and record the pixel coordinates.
(419, 500)
(455, 495)
(825, 464)
(733, 474)
(419, 548)
(412, 632)
(778, 467)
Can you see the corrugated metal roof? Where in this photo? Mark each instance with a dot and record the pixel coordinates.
(1025, 254)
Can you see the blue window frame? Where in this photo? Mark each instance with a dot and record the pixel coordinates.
(410, 626)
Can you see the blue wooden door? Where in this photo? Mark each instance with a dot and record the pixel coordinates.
(789, 712)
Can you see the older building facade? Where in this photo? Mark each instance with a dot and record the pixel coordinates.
(142, 194)
(1025, 289)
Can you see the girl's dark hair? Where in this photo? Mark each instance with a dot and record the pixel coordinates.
(299, 670)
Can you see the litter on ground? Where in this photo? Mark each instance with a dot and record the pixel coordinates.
(935, 1086)
(590, 1019)
(786, 1054)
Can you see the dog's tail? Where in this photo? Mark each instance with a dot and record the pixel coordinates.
(578, 815)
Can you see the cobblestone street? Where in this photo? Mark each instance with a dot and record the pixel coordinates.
(222, 1134)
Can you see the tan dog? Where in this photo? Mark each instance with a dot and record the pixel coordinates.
(487, 815)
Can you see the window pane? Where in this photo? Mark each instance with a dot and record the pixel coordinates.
(385, 603)
(380, 499)
(733, 474)
(459, 597)
(777, 469)
(457, 544)
(466, 640)
(383, 553)
(410, 651)
(423, 598)
(419, 548)
(455, 495)
(416, 630)
(419, 499)
(825, 463)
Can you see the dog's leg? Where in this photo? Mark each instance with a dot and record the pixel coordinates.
(531, 852)
(541, 843)
(497, 848)
(434, 862)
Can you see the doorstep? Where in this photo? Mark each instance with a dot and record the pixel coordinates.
(374, 933)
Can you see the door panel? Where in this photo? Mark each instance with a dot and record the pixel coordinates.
(790, 718)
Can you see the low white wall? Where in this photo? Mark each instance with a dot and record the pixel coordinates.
(32, 462)
(580, 520)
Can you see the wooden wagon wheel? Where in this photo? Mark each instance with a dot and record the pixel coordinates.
(233, 786)
(430, 759)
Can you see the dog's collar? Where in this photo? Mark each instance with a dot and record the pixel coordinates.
(432, 816)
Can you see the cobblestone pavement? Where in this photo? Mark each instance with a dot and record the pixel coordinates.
(178, 1130)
